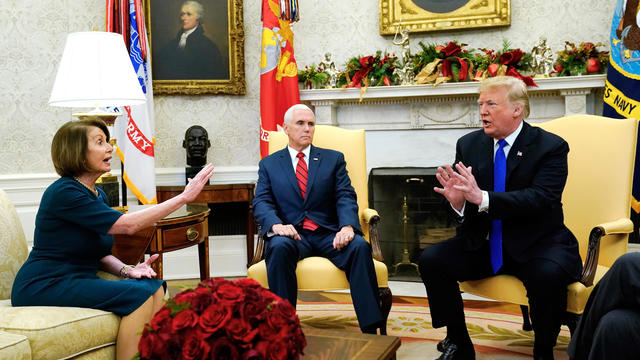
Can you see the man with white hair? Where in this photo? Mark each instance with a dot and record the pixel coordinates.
(191, 54)
(306, 206)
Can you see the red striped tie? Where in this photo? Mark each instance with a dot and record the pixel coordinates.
(301, 175)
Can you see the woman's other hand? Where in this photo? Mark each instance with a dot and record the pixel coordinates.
(143, 269)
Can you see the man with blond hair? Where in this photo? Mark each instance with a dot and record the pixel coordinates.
(505, 191)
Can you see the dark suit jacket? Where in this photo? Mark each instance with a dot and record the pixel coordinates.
(531, 207)
(330, 200)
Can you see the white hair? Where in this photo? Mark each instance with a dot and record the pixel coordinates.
(196, 6)
(288, 115)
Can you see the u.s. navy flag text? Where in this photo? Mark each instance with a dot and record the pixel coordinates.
(278, 72)
(134, 130)
(622, 87)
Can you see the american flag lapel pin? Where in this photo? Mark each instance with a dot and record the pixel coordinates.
(315, 159)
(519, 153)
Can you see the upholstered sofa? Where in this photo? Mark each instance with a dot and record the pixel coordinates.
(41, 332)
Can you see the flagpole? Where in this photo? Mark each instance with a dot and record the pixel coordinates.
(124, 185)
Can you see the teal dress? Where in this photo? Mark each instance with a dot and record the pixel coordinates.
(69, 240)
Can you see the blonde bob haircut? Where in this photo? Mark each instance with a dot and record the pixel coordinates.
(516, 90)
(70, 144)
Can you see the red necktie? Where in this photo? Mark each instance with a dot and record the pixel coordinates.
(302, 173)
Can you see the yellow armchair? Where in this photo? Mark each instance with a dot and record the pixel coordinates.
(317, 273)
(597, 203)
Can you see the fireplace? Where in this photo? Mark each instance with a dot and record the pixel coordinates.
(413, 216)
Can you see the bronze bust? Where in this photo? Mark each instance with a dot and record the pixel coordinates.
(196, 141)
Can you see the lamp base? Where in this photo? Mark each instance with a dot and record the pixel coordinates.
(109, 184)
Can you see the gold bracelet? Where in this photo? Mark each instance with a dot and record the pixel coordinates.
(123, 273)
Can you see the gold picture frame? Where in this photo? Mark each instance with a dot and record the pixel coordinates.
(209, 71)
(415, 16)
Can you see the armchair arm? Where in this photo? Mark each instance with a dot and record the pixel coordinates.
(257, 255)
(371, 217)
(620, 226)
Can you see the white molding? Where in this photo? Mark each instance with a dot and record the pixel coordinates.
(326, 96)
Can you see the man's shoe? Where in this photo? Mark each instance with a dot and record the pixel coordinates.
(443, 344)
(453, 352)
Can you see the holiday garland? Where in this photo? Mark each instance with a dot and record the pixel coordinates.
(453, 62)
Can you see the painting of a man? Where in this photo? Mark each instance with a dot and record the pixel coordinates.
(190, 54)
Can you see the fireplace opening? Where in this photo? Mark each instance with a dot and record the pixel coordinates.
(413, 216)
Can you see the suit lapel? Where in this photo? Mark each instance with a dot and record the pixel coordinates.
(284, 158)
(518, 149)
(313, 165)
(485, 163)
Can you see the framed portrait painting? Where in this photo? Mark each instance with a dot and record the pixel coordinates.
(438, 15)
(197, 46)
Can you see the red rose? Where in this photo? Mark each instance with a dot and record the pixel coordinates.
(194, 347)
(215, 317)
(593, 65)
(247, 283)
(254, 312)
(186, 318)
(281, 313)
(439, 48)
(150, 344)
(161, 319)
(223, 348)
(277, 350)
(452, 49)
(229, 293)
(240, 330)
(186, 296)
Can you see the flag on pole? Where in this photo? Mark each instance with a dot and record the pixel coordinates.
(622, 87)
(278, 70)
(134, 129)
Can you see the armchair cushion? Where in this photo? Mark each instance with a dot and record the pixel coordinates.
(508, 288)
(319, 274)
(59, 332)
(14, 346)
(13, 246)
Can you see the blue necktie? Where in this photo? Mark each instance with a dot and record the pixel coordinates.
(499, 176)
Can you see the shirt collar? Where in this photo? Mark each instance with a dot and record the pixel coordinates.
(511, 138)
(189, 32)
(294, 153)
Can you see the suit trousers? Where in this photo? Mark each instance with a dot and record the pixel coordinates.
(444, 264)
(283, 253)
(610, 324)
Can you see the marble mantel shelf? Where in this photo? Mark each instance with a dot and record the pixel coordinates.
(448, 105)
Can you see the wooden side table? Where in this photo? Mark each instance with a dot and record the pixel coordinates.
(187, 226)
(220, 194)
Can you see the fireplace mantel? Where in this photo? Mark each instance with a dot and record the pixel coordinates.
(446, 106)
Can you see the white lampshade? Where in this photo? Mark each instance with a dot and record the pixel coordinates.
(95, 71)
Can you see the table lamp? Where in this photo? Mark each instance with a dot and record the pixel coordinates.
(96, 71)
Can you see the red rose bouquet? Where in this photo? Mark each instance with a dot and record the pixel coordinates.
(223, 319)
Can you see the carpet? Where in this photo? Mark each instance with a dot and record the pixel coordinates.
(495, 334)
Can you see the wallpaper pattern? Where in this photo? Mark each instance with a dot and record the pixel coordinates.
(32, 35)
